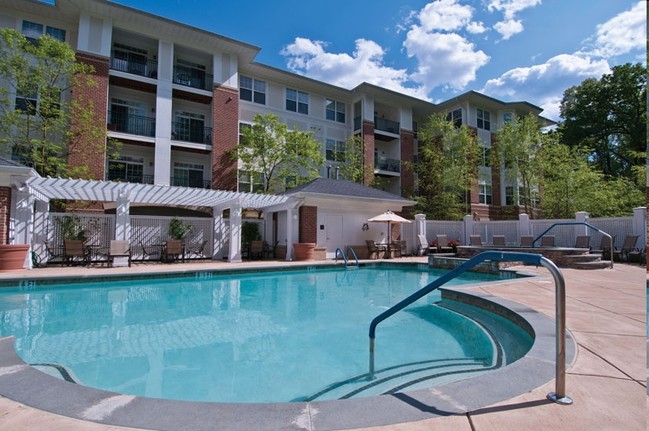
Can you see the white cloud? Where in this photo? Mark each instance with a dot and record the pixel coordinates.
(445, 15)
(510, 26)
(623, 33)
(476, 27)
(544, 84)
(443, 59)
(310, 58)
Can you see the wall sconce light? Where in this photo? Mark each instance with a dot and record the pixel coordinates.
(365, 227)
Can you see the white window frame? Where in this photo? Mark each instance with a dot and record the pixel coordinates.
(485, 193)
(256, 90)
(299, 98)
(455, 116)
(336, 148)
(483, 119)
(33, 30)
(336, 110)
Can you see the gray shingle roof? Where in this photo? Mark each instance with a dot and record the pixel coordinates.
(325, 186)
(7, 162)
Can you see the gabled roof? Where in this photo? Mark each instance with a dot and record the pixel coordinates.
(324, 186)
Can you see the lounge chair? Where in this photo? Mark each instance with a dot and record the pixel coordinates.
(196, 251)
(582, 241)
(150, 253)
(442, 244)
(475, 240)
(404, 248)
(74, 251)
(374, 250)
(498, 240)
(547, 241)
(627, 247)
(119, 248)
(526, 240)
(422, 245)
(54, 253)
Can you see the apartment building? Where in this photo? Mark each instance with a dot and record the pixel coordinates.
(176, 97)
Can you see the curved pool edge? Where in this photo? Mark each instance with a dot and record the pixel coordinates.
(22, 383)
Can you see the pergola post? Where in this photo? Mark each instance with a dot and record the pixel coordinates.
(122, 218)
(234, 254)
(23, 213)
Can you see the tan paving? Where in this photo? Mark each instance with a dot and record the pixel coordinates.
(606, 314)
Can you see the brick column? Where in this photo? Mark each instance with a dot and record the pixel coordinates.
(368, 152)
(308, 224)
(407, 155)
(225, 136)
(88, 144)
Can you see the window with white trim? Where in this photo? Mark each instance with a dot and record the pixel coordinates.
(335, 150)
(33, 30)
(251, 182)
(484, 119)
(486, 156)
(125, 168)
(334, 110)
(508, 117)
(484, 193)
(297, 101)
(252, 90)
(455, 117)
(188, 175)
(26, 103)
(510, 199)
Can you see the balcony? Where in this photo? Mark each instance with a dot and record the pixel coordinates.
(129, 178)
(384, 125)
(193, 78)
(387, 165)
(181, 131)
(197, 183)
(357, 123)
(134, 63)
(131, 124)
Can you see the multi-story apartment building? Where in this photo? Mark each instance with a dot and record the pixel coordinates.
(176, 97)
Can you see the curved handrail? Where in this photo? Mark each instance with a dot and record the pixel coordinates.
(339, 251)
(559, 395)
(568, 223)
(353, 254)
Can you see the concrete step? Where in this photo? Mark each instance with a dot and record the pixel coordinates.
(573, 258)
(597, 264)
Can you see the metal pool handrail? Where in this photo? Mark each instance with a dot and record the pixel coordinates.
(559, 395)
(340, 252)
(568, 223)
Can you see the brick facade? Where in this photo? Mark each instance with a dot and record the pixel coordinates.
(5, 214)
(88, 144)
(225, 136)
(368, 152)
(407, 156)
(308, 224)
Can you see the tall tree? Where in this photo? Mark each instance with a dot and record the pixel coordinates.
(446, 168)
(284, 158)
(36, 107)
(351, 165)
(517, 147)
(609, 117)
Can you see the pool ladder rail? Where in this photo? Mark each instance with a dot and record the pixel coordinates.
(345, 257)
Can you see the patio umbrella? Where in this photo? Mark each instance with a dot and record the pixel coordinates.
(390, 218)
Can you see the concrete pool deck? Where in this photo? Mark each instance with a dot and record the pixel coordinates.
(606, 315)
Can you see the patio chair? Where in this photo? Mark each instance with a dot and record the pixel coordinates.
(443, 245)
(197, 251)
(475, 240)
(498, 240)
(150, 252)
(54, 254)
(374, 250)
(637, 256)
(627, 247)
(422, 245)
(526, 240)
(119, 248)
(547, 241)
(74, 251)
(172, 250)
(404, 248)
(256, 249)
(582, 241)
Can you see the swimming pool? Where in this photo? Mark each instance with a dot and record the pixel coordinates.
(262, 337)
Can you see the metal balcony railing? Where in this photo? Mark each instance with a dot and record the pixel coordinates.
(180, 131)
(129, 178)
(385, 125)
(194, 78)
(191, 182)
(136, 65)
(386, 164)
(132, 124)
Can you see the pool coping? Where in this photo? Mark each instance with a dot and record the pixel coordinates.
(22, 383)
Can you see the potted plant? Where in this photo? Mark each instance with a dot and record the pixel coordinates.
(249, 233)
(178, 229)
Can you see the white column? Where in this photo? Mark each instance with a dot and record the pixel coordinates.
(164, 114)
(524, 225)
(122, 218)
(219, 239)
(582, 217)
(23, 216)
(640, 226)
(291, 231)
(235, 234)
(41, 214)
(468, 228)
(420, 224)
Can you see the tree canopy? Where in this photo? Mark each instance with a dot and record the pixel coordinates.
(446, 168)
(283, 157)
(36, 107)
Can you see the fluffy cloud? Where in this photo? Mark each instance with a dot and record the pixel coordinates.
(310, 58)
(510, 26)
(445, 15)
(623, 33)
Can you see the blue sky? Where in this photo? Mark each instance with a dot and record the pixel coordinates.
(512, 50)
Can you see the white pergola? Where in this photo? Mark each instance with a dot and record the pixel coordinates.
(31, 197)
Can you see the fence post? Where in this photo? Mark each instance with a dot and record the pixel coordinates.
(639, 225)
(468, 228)
(122, 218)
(581, 216)
(420, 224)
(524, 225)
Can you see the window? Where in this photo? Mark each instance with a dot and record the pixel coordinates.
(334, 111)
(484, 119)
(33, 31)
(510, 199)
(130, 117)
(129, 169)
(507, 117)
(129, 59)
(190, 127)
(484, 192)
(297, 101)
(455, 116)
(335, 150)
(252, 90)
(251, 182)
(486, 156)
(27, 103)
(188, 175)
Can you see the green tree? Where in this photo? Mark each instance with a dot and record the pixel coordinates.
(285, 158)
(571, 184)
(446, 168)
(609, 117)
(352, 167)
(40, 123)
(518, 143)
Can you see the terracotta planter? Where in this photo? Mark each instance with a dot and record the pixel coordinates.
(12, 256)
(304, 250)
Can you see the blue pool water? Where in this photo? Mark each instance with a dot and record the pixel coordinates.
(264, 337)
